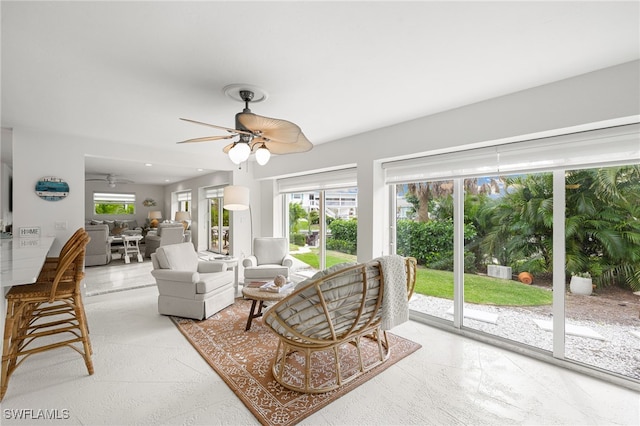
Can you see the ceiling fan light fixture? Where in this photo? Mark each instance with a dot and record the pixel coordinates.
(263, 155)
(240, 152)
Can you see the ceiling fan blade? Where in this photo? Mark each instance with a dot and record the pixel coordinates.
(217, 127)
(272, 129)
(227, 148)
(302, 145)
(95, 180)
(207, 139)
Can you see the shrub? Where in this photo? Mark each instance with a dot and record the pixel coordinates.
(344, 236)
(298, 239)
(341, 246)
(431, 243)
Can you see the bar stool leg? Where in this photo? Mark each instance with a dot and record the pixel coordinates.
(10, 343)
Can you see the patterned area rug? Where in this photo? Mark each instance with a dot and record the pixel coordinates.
(243, 360)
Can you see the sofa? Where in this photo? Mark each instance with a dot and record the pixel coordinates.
(189, 287)
(98, 251)
(118, 227)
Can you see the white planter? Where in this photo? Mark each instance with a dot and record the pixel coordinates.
(580, 285)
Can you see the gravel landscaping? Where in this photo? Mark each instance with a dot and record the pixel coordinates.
(619, 352)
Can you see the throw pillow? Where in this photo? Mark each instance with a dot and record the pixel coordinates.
(118, 230)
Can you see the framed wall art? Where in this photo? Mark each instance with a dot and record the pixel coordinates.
(52, 188)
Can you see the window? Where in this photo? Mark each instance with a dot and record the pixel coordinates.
(218, 224)
(111, 203)
(184, 201)
(322, 217)
(498, 233)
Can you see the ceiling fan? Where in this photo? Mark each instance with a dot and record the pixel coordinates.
(111, 179)
(255, 133)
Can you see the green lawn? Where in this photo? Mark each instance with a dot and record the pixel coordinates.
(333, 258)
(481, 290)
(477, 289)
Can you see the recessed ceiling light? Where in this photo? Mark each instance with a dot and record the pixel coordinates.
(148, 164)
(167, 180)
(200, 170)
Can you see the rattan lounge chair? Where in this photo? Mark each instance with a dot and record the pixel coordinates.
(340, 306)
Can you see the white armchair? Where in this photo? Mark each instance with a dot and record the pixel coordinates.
(189, 287)
(167, 233)
(270, 258)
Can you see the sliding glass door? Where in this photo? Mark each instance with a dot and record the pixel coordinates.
(218, 223)
(424, 230)
(537, 253)
(602, 314)
(322, 227)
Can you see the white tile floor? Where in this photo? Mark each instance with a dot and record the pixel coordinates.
(147, 373)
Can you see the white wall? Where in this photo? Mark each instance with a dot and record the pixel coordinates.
(581, 102)
(36, 155)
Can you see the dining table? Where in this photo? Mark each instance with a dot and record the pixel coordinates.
(21, 259)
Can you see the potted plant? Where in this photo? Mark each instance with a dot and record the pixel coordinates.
(581, 283)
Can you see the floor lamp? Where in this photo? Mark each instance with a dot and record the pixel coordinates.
(236, 198)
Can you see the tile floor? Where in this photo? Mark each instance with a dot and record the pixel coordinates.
(147, 373)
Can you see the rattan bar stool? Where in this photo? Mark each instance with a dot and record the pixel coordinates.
(50, 307)
(48, 270)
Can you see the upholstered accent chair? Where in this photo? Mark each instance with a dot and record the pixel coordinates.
(339, 306)
(270, 258)
(189, 287)
(99, 248)
(167, 233)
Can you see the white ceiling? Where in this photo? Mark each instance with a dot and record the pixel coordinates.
(125, 72)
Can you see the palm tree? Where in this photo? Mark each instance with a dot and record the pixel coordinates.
(602, 227)
(603, 224)
(517, 227)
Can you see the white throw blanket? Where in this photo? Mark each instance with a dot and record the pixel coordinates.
(395, 304)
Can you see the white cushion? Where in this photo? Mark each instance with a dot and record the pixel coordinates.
(270, 250)
(177, 257)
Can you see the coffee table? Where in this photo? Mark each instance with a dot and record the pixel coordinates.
(257, 295)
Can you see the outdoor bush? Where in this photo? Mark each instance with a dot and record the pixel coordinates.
(297, 239)
(445, 263)
(344, 236)
(429, 242)
(341, 246)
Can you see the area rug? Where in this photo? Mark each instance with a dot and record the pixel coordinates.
(243, 360)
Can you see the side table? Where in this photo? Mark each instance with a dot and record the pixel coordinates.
(257, 295)
(130, 246)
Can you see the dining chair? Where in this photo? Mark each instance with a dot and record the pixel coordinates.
(52, 309)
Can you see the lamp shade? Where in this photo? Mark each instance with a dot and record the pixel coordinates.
(240, 152)
(236, 197)
(154, 218)
(182, 216)
(263, 155)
